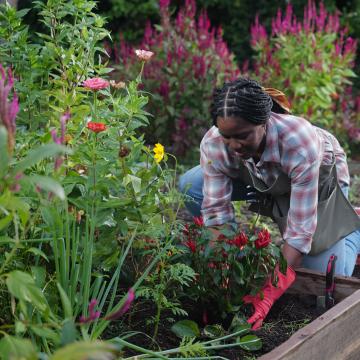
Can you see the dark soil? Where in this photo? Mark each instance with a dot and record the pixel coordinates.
(290, 313)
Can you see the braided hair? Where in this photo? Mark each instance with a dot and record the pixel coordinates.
(244, 98)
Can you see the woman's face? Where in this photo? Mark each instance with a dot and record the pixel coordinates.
(242, 137)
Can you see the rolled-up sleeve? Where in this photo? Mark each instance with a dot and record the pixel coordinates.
(217, 208)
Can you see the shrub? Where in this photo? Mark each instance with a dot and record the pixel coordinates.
(191, 58)
(312, 61)
(234, 265)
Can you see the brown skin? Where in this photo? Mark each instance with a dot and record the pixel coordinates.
(248, 140)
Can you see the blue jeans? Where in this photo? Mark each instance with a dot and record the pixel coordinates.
(346, 249)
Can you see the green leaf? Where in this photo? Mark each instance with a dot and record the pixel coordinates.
(135, 181)
(5, 221)
(40, 153)
(239, 323)
(39, 275)
(186, 328)
(23, 287)
(250, 343)
(20, 327)
(214, 331)
(65, 302)
(12, 347)
(3, 152)
(38, 252)
(48, 184)
(69, 333)
(85, 350)
(46, 333)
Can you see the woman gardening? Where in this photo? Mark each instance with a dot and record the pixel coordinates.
(289, 169)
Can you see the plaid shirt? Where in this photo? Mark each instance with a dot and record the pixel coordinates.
(294, 147)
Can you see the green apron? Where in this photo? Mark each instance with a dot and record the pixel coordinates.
(336, 217)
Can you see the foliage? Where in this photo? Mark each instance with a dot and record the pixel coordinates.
(191, 58)
(229, 267)
(312, 61)
(69, 189)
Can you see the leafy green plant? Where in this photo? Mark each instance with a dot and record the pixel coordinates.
(234, 265)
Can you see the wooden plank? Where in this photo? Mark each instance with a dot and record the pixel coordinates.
(332, 336)
(313, 283)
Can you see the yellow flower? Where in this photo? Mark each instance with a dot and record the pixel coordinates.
(159, 152)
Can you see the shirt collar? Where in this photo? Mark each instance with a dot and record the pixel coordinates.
(271, 152)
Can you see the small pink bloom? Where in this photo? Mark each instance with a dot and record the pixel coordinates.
(93, 315)
(130, 298)
(144, 55)
(95, 84)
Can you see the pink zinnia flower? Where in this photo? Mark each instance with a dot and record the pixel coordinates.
(144, 55)
(126, 306)
(95, 84)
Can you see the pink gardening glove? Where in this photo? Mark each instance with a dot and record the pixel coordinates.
(265, 299)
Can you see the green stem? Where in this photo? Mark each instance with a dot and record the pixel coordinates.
(16, 245)
(140, 349)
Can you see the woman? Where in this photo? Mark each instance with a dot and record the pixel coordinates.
(299, 174)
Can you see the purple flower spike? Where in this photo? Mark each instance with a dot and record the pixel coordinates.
(8, 109)
(93, 315)
(130, 298)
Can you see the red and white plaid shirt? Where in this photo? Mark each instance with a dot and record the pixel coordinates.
(294, 147)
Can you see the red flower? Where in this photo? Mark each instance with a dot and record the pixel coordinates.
(221, 237)
(198, 220)
(263, 239)
(240, 240)
(191, 244)
(96, 127)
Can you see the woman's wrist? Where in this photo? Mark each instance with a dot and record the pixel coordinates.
(292, 256)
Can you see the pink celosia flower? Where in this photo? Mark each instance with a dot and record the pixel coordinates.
(126, 306)
(95, 84)
(60, 140)
(8, 110)
(93, 315)
(144, 55)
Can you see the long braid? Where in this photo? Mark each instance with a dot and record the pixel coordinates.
(244, 98)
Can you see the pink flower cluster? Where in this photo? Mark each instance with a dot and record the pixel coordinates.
(8, 109)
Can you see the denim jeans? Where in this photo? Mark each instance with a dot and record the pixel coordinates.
(346, 249)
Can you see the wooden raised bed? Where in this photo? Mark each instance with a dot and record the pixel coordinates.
(334, 335)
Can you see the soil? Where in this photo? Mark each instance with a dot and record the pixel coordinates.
(289, 313)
